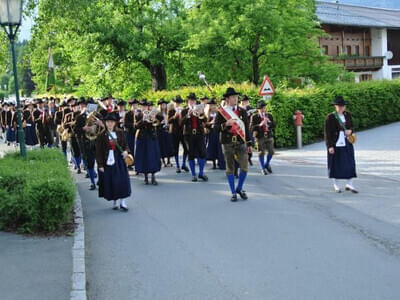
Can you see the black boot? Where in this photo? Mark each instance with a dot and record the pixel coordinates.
(153, 179)
(146, 179)
(214, 165)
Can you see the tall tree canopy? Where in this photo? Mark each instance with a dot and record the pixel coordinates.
(128, 46)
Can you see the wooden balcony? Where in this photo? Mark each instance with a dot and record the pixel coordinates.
(360, 63)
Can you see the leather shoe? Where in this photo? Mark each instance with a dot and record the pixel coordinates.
(178, 170)
(353, 190)
(268, 168)
(194, 179)
(154, 181)
(242, 194)
(186, 169)
(87, 175)
(92, 187)
(234, 198)
(264, 172)
(203, 177)
(123, 208)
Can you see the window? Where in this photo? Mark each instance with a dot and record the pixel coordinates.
(367, 52)
(348, 50)
(325, 49)
(337, 50)
(365, 77)
(357, 50)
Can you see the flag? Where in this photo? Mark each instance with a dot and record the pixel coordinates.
(51, 73)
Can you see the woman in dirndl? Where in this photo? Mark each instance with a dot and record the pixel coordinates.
(341, 161)
(163, 135)
(214, 148)
(111, 150)
(147, 151)
(29, 126)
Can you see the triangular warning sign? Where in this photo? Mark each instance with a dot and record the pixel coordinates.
(267, 89)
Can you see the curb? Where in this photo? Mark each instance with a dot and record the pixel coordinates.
(78, 290)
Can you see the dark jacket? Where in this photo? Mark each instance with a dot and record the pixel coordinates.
(257, 130)
(129, 121)
(187, 122)
(103, 146)
(175, 123)
(79, 124)
(225, 135)
(332, 128)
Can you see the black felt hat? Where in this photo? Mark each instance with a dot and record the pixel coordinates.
(178, 99)
(143, 102)
(192, 96)
(245, 98)
(111, 117)
(230, 91)
(212, 101)
(204, 98)
(133, 101)
(261, 104)
(121, 103)
(340, 101)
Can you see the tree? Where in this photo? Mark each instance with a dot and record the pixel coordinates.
(111, 34)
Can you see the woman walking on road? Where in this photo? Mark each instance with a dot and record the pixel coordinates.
(338, 130)
(111, 150)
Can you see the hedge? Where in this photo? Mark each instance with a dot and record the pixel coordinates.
(372, 103)
(36, 193)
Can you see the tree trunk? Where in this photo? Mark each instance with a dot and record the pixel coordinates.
(256, 70)
(158, 77)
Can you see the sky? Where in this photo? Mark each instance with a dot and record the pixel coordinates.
(25, 31)
(395, 4)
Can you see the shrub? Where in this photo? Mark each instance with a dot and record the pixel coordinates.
(36, 193)
(372, 103)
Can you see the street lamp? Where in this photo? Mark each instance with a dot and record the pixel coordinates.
(10, 20)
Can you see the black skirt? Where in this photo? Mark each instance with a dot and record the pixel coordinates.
(341, 164)
(114, 182)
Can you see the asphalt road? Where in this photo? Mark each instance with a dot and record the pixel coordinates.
(293, 239)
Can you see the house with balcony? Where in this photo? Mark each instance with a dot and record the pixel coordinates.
(365, 38)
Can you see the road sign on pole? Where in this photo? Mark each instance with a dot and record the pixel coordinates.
(266, 89)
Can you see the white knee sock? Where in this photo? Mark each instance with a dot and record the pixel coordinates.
(350, 183)
(123, 204)
(115, 203)
(335, 184)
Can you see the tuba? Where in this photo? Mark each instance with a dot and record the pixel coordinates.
(150, 116)
(198, 111)
(93, 128)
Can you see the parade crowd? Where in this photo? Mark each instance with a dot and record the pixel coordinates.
(138, 136)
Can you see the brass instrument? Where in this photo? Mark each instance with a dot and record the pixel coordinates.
(198, 111)
(65, 134)
(93, 128)
(150, 116)
(129, 160)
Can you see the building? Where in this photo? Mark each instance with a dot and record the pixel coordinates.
(364, 38)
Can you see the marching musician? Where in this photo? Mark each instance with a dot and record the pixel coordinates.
(52, 124)
(121, 112)
(3, 113)
(65, 121)
(75, 150)
(147, 150)
(10, 122)
(57, 122)
(233, 125)
(29, 125)
(245, 103)
(176, 131)
(111, 150)
(80, 122)
(194, 123)
(262, 125)
(129, 125)
(214, 148)
(88, 145)
(164, 138)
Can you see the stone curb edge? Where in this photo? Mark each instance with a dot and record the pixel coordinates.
(78, 289)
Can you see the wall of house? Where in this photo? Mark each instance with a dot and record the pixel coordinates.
(346, 40)
(379, 47)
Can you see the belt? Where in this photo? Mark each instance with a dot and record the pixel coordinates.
(194, 131)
